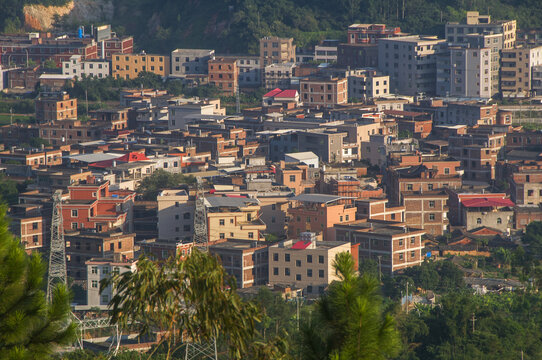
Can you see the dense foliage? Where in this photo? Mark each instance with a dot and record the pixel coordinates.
(150, 186)
(30, 328)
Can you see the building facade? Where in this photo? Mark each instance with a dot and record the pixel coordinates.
(175, 215)
(323, 92)
(276, 50)
(87, 68)
(224, 74)
(190, 61)
(128, 66)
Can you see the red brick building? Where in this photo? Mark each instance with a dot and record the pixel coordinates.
(323, 91)
(224, 74)
(55, 106)
(93, 206)
(115, 45)
(378, 209)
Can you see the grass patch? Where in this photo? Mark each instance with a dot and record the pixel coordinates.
(5, 119)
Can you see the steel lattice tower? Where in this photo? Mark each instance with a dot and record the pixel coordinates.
(57, 248)
(201, 237)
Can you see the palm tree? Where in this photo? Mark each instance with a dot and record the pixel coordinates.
(349, 322)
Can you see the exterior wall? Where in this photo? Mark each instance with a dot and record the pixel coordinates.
(31, 231)
(275, 50)
(516, 70)
(501, 220)
(368, 87)
(77, 68)
(116, 45)
(99, 269)
(410, 62)
(34, 160)
(309, 269)
(456, 32)
(326, 54)
(377, 209)
(370, 33)
(250, 71)
(244, 224)
(48, 110)
(128, 66)
(190, 61)
(249, 265)
(274, 214)
(524, 215)
(324, 92)
(278, 75)
(428, 212)
(328, 146)
(180, 115)
(319, 219)
(175, 216)
(357, 56)
(526, 188)
(224, 74)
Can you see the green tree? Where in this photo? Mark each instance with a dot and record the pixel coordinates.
(30, 328)
(49, 64)
(533, 237)
(151, 186)
(193, 297)
(349, 321)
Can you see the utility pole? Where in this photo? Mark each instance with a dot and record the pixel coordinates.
(379, 268)
(473, 319)
(406, 298)
(11, 116)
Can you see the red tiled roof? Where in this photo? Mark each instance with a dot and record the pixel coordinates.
(273, 92)
(287, 94)
(301, 245)
(487, 202)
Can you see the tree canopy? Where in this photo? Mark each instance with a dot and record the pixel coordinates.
(151, 186)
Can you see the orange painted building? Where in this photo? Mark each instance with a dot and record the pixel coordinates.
(54, 107)
(318, 213)
(326, 92)
(223, 73)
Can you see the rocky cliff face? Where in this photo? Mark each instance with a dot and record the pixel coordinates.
(42, 18)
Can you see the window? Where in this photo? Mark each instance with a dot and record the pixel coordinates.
(221, 222)
(74, 213)
(287, 271)
(320, 259)
(412, 254)
(292, 178)
(400, 256)
(298, 277)
(320, 273)
(412, 239)
(275, 257)
(74, 226)
(105, 298)
(119, 245)
(432, 217)
(309, 272)
(94, 270)
(287, 257)
(95, 284)
(105, 270)
(309, 259)
(430, 186)
(186, 228)
(409, 187)
(431, 203)
(275, 271)
(341, 218)
(446, 171)
(400, 242)
(309, 289)
(298, 263)
(34, 226)
(186, 215)
(222, 235)
(499, 221)
(251, 235)
(478, 221)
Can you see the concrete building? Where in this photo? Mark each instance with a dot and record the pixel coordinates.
(224, 74)
(55, 106)
(367, 85)
(278, 75)
(427, 210)
(175, 215)
(323, 91)
(128, 66)
(410, 61)
(494, 213)
(78, 68)
(494, 42)
(480, 24)
(516, 70)
(190, 61)
(318, 213)
(328, 145)
(464, 72)
(28, 223)
(179, 116)
(275, 50)
(234, 218)
(250, 70)
(378, 209)
(357, 55)
(308, 158)
(326, 51)
(470, 113)
(247, 261)
(305, 264)
(526, 187)
(371, 33)
(396, 246)
(99, 269)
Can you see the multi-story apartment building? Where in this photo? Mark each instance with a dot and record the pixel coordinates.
(128, 66)
(536, 81)
(526, 187)
(323, 91)
(92, 205)
(55, 106)
(278, 75)
(250, 70)
(83, 246)
(378, 209)
(327, 144)
(516, 70)
(367, 85)
(371, 33)
(247, 261)
(69, 132)
(427, 210)
(190, 61)
(179, 116)
(175, 215)
(478, 154)
(326, 51)
(224, 74)
(27, 222)
(468, 113)
(395, 246)
(275, 50)
(480, 24)
(34, 159)
(494, 213)
(99, 269)
(78, 68)
(357, 55)
(234, 218)
(458, 196)
(493, 42)
(21, 48)
(318, 213)
(305, 264)
(115, 45)
(410, 61)
(464, 72)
